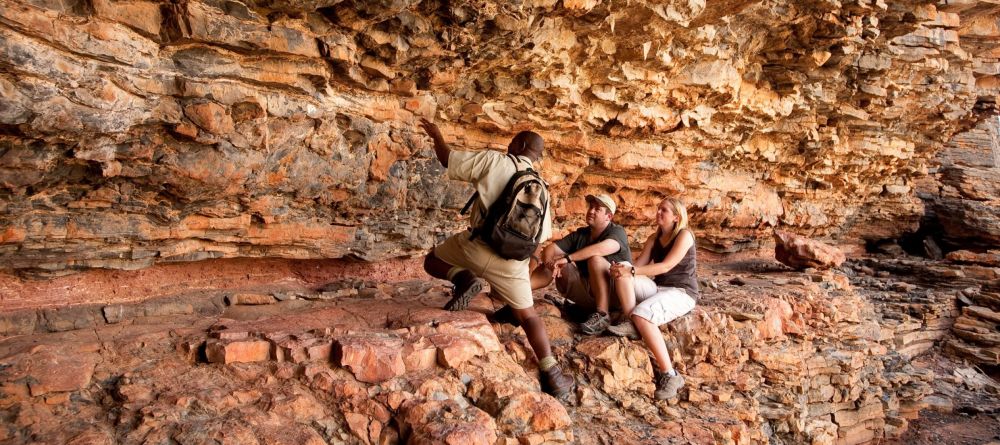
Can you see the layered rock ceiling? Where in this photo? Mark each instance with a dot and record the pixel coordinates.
(154, 134)
(137, 132)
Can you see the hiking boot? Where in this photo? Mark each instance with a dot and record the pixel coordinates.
(596, 324)
(467, 285)
(625, 329)
(557, 383)
(504, 315)
(667, 386)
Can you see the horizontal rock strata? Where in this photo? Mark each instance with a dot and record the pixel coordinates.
(107, 293)
(977, 330)
(140, 132)
(962, 314)
(963, 195)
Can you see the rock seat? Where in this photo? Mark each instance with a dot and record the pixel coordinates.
(770, 353)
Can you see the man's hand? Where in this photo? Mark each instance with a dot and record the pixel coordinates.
(431, 129)
(619, 270)
(558, 264)
(441, 149)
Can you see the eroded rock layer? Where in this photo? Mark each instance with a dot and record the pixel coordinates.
(137, 132)
(770, 355)
(963, 195)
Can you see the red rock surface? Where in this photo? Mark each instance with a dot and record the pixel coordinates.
(208, 211)
(769, 354)
(372, 359)
(963, 194)
(802, 253)
(165, 280)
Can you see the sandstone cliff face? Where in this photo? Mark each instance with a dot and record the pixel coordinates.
(137, 132)
(963, 196)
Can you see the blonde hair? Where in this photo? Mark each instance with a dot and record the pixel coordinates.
(682, 216)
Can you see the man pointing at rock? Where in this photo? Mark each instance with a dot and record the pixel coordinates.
(469, 262)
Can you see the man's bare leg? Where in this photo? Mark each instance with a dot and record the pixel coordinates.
(436, 267)
(467, 284)
(535, 330)
(599, 278)
(554, 381)
(541, 277)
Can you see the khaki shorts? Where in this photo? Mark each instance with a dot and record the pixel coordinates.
(509, 279)
(660, 305)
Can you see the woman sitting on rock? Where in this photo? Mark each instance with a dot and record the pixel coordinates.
(663, 283)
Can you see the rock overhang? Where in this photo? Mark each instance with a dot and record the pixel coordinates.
(287, 129)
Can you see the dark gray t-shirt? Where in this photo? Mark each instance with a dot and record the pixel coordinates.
(580, 238)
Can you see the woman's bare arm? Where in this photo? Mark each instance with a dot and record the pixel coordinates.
(684, 242)
(647, 251)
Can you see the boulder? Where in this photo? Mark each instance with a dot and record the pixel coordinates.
(801, 253)
(372, 359)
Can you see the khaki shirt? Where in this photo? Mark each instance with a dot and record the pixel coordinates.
(489, 171)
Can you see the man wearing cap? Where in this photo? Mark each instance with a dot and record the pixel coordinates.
(580, 263)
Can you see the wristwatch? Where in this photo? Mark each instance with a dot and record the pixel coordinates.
(633, 271)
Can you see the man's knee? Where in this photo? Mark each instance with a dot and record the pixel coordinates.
(429, 262)
(598, 265)
(435, 266)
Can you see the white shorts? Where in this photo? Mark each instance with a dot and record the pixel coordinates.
(660, 305)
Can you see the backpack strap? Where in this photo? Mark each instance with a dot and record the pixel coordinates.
(517, 168)
(468, 205)
(472, 199)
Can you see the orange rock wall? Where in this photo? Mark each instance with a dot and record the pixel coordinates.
(140, 132)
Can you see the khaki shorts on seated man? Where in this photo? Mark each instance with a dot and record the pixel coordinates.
(580, 263)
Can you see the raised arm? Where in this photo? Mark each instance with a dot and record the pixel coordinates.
(441, 148)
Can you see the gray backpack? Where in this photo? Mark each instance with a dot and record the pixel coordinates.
(513, 224)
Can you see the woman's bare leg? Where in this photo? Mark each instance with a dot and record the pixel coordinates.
(654, 341)
(625, 289)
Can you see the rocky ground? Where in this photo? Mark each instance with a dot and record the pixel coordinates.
(771, 355)
(962, 411)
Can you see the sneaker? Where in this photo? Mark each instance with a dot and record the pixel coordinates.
(557, 383)
(625, 329)
(667, 386)
(596, 324)
(504, 315)
(467, 285)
